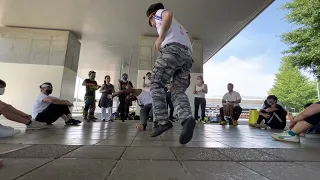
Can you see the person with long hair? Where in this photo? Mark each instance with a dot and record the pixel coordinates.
(200, 91)
(106, 102)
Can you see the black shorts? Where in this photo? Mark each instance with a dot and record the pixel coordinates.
(314, 120)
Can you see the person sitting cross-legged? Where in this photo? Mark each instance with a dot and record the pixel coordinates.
(48, 109)
(13, 114)
(144, 99)
(273, 114)
(307, 119)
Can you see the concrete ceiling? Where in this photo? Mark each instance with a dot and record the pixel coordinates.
(109, 30)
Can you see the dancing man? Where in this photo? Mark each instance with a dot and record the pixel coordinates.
(175, 61)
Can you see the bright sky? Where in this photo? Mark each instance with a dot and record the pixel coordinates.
(250, 60)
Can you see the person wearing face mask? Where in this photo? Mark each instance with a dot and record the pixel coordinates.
(273, 114)
(200, 91)
(48, 109)
(106, 101)
(14, 114)
(90, 97)
(124, 105)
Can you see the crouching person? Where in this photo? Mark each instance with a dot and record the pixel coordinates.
(307, 119)
(48, 109)
(144, 99)
(273, 114)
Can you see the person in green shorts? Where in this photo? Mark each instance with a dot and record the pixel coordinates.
(90, 97)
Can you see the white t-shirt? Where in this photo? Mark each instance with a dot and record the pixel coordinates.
(233, 96)
(147, 83)
(144, 97)
(200, 94)
(39, 105)
(176, 32)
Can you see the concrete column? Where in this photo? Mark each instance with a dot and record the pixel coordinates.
(29, 57)
(148, 55)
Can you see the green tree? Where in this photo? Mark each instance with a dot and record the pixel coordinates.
(304, 41)
(292, 88)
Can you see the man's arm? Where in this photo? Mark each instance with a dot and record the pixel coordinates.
(309, 111)
(130, 83)
(135, 92)
(8, 107)
(119, 85)
(166, 23)
(238, 99)
(58, 101)
(224, 98)
(85, 83)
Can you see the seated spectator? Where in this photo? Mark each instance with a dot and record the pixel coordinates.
(273, 114)
(48, 109)
(14, 114)
(231, 99)
(144, 99)
(307, 119)
(316, 128)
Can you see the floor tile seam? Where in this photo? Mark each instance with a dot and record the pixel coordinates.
(261, 150)
(79, 146)
(184, 168)
(253, 170)
(133, 139)
(116, 164)
(52, 159)
(1, 153)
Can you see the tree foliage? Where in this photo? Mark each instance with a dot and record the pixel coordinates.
(292, 88)
(304, 41)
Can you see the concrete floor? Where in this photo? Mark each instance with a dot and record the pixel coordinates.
(116, 151)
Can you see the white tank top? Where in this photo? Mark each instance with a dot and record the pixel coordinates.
(176, 32)
(200, 94)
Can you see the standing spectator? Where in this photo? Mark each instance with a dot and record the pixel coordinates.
(168, 89)
(106, 101)
(90, 97)
(200, 91)
(124, 105)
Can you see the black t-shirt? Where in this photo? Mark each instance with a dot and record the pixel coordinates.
(91, 90)
(125, 85)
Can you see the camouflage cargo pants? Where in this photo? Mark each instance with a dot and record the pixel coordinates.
(175, 61)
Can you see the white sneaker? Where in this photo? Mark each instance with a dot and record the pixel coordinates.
(285, 136)
(6, 131)
(36, 125)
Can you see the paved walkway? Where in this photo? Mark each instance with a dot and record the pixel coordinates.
(116, 151)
